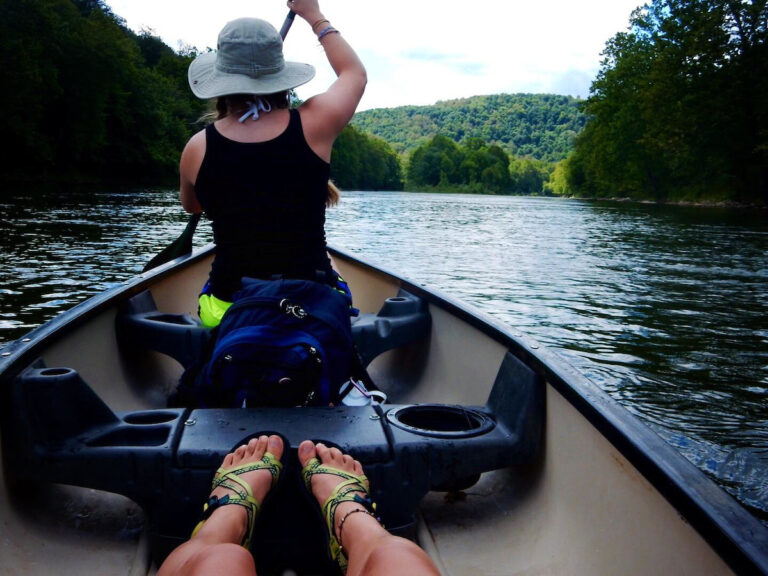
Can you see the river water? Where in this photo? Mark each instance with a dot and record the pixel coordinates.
(665, 308)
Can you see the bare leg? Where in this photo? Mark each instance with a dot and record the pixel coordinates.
(370, 549)
(215, 548)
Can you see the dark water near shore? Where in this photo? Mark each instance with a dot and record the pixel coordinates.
(665, 308)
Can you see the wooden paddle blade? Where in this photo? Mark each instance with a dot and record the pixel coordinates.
(180, 247)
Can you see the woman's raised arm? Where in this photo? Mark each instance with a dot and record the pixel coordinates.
(325, 115)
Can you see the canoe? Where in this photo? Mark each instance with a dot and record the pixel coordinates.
(490, 452)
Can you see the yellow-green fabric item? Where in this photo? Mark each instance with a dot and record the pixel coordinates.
(212, 309)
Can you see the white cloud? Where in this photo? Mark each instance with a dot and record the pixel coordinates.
(419, 52)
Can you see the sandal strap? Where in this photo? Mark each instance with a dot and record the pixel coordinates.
(315, 467)
(267, 462)
(250, 504)
(347, 491)
(230, 478)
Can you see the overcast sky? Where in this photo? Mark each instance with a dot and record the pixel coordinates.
(421, 51)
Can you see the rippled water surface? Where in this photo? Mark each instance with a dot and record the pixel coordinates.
(665, 308)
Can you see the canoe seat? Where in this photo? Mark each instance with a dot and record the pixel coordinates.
(401, 320)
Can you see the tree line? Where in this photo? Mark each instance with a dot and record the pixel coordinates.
(474, 166)
(679, 109)
(85, 98)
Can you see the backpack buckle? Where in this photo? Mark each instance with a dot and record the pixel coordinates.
(294, 310)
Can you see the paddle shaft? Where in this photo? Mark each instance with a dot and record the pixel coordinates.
(287, 24)
(183, 244)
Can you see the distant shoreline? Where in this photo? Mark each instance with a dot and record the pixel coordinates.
(699, 203)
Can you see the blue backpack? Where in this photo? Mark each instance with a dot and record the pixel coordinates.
(281, 343)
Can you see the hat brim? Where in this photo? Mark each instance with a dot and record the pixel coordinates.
(208, 82)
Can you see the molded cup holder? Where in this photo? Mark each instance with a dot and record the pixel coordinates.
(440, 420)
(49, 372)
(133, 436)
(152, 417)
(399, 306)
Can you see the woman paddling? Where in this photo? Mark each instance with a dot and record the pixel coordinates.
(260, 171)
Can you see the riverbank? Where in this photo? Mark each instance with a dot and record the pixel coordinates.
(698, 203)
(464, 189)
(476, 189)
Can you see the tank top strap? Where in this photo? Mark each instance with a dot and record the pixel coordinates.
(213, 140)
(295, 135)
(295, 131)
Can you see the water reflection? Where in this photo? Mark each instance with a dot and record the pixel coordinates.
(61, 246)
(664, 308)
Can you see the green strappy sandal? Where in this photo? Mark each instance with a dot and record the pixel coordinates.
(347, 491)
(229, 478)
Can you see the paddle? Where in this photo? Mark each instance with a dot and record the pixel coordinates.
(179, 247)
(287, 24)
(183, 244)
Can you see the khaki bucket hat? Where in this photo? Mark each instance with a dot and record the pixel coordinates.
(248, 60)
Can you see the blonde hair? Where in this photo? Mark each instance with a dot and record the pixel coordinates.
(334, 195)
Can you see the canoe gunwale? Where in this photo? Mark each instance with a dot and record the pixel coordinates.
(739, 538)
(18, 354)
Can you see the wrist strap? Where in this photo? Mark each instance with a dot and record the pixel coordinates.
(326, 31)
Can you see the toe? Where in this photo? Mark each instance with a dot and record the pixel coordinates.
(336, 455)
(259, 446)
(275, 446)
(307, 451)
(323, 453)
(239, 454)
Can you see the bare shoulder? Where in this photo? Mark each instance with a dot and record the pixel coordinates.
(196, 144)
(320, 131)
(192, 156)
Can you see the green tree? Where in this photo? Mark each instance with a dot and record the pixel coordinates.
(362, 162)
(678, 110)
(528, 176)
(438, 162)
(83, 98)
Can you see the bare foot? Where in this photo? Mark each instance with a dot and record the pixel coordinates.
(260, 481)
(324, 484)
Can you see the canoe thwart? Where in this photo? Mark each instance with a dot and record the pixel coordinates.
(402, 320)
(140, 325)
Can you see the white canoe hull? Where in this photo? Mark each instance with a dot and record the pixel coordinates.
(603, 494)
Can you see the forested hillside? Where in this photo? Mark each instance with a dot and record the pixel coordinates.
(84, 98)
(542, 126)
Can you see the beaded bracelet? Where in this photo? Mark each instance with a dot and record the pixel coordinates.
(326, 31)
(348, 514)
(319, 22)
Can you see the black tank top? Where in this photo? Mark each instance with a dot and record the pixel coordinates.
(266, 201)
